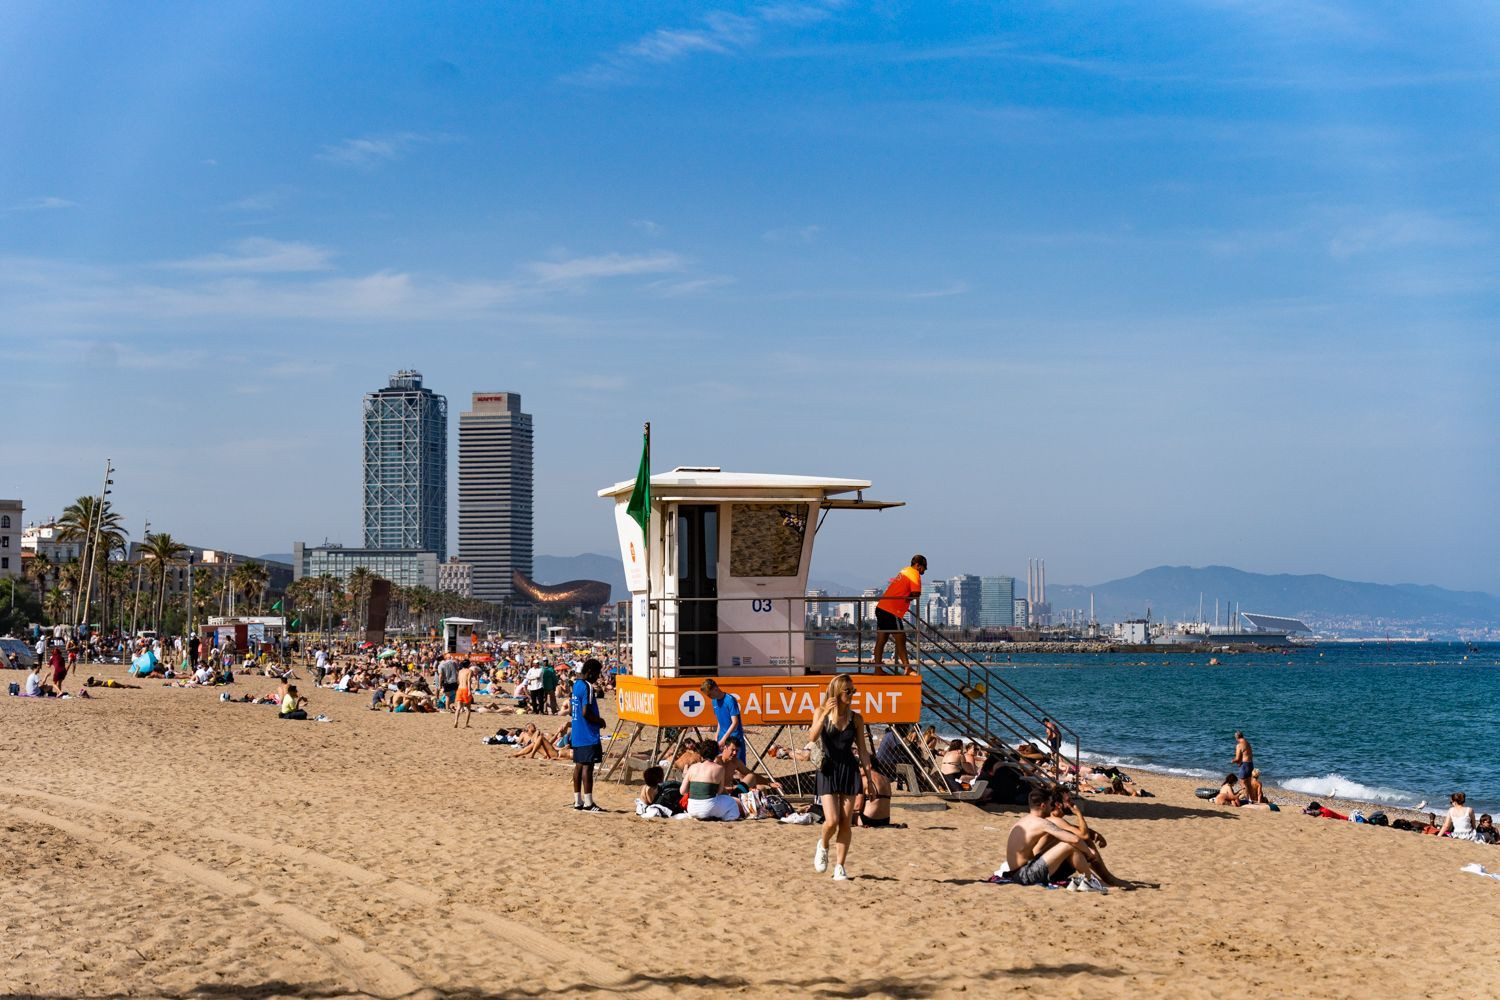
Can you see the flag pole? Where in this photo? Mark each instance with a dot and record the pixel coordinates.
(646, 530)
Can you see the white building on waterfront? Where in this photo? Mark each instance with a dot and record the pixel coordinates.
(46, 540)
(456, 577)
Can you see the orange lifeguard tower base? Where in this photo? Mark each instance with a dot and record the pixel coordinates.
(718, 584)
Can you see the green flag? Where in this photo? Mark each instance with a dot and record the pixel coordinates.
(276, 606)
(639, 507)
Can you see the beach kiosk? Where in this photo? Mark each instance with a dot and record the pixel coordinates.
(458, 634)
(718, 585)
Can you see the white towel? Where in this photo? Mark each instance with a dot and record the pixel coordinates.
(1478, 869)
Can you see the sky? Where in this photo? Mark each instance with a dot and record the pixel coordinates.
(1114, 284)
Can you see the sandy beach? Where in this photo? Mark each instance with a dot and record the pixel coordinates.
(162, 843)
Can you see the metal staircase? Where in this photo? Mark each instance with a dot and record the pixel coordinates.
(974, 700)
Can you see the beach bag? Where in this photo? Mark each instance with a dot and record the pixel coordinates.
(669, 794)
(777, 806)
(1378, 819)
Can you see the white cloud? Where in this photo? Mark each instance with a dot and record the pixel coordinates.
(648, 227)
(793, 234)
(719, 32)
(262, 201)
(258, 255)
(42, 204)
(671, 288)
(609, 265)
(265, 280)
(950, 289)
(370, 151)
(1397, 230)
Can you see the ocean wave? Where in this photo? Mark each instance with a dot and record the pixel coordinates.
(1336, 786)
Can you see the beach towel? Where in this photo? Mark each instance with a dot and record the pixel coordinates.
(1478, 869)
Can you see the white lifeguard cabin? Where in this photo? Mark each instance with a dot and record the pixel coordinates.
(718, 586)
(458, 634)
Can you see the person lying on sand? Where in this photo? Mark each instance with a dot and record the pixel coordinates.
(94, 682)
(1040, 850)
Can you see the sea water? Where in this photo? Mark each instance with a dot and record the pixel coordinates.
(1393, 723)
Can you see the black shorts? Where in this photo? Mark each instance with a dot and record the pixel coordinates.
(591, 754)
(886, 622)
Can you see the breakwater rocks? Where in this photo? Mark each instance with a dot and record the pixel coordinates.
(1173, 649)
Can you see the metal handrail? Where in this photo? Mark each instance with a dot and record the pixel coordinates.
(982, 718)
(1009, 692)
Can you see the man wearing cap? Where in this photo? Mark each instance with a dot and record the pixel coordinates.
(894, 604)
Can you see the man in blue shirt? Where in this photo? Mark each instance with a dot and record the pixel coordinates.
(585, 726)
(727, 712)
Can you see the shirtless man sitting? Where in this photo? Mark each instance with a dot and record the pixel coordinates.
(1039, 850)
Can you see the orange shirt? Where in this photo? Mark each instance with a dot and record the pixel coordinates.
(898, 593)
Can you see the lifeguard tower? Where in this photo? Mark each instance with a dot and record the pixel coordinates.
(718, 585)
(459, 635)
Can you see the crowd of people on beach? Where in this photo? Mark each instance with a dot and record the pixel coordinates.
(1051, 844)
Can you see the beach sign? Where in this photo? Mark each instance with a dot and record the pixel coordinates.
(677, 701)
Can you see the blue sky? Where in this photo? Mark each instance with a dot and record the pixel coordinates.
(1117, 284)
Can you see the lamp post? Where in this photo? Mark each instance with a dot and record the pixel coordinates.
(93, 538)
(140, 565)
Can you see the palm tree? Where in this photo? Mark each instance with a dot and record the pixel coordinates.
(87, 520)
(38, 570)
(164, 550)
(250, 579)
(359, 583)
(55, 604)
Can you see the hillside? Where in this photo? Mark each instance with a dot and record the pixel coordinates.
(1172, 593)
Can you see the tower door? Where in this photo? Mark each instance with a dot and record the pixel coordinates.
(697, 585)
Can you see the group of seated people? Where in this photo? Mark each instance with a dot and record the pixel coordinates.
(1252, 796)
(1053, 843)
(1459, 822)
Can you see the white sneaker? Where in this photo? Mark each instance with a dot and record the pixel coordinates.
(839, 875)
(1093, 884)
(820, 858)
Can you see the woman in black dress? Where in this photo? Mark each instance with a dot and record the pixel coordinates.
(842, 733)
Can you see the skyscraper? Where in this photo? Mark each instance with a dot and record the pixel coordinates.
(494, 492)
(963, 600)
(997, 596)
(406, 467)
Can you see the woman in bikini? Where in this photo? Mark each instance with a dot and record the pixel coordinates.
(708, 782)
(841, 731)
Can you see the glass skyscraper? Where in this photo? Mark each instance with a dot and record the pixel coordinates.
(406, 467)
(997, 596)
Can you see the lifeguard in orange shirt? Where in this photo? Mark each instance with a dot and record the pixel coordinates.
(894, 604)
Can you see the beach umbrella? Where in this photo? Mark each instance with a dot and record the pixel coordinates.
(386, 654)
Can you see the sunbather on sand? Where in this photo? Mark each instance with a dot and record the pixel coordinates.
(1229, 793)
(534, 743)
(1040, 850)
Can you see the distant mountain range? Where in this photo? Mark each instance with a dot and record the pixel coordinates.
(1172, 593)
